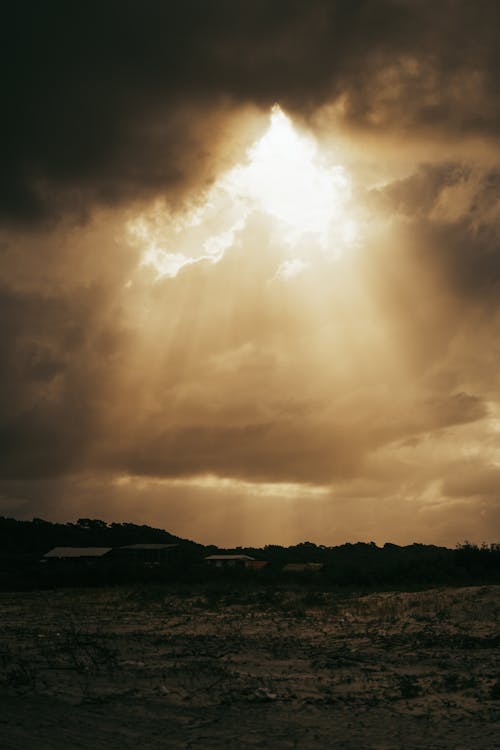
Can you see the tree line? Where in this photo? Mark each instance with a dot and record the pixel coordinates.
(23, 543)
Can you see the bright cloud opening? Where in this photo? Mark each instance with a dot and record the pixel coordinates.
(285, 177)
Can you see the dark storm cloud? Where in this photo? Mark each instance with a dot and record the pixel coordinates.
(304, 450)
(59, 360)
(105, 102)
(452, 226)
(280, 451)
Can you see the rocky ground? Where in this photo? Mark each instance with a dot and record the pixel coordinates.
(272, 669)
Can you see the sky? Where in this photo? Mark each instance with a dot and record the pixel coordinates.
(250, 268)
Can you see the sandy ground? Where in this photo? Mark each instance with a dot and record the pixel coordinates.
(125, 668)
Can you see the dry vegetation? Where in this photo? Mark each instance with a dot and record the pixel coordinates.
(218, 668)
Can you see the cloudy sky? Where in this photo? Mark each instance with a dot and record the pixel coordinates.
(250, 268)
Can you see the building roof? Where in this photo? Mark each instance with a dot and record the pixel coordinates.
(78, 552)
(148, 546)
(229, 557)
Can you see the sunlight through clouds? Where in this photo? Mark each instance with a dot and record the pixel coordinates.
(285, 178)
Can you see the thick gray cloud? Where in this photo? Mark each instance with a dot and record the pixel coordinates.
(60, 356)
(454, 216)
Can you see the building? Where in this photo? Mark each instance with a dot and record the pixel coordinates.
(76, 554)
(230, 561)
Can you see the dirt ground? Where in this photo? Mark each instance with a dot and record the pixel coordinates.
(123, 668)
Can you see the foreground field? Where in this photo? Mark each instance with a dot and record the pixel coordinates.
(146, 667)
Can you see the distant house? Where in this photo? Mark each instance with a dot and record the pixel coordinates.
(76, 554)
(302, 567)
(230, 561)
(146, 553)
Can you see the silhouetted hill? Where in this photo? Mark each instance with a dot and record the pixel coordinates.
(34, 538)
